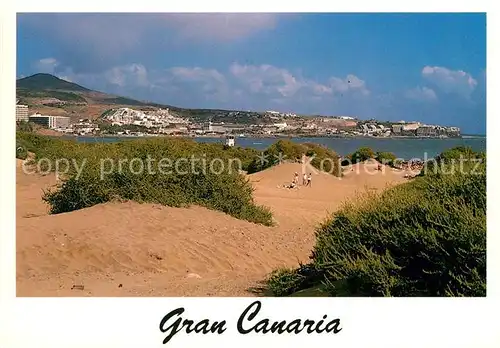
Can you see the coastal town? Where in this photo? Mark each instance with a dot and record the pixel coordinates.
(164, 122)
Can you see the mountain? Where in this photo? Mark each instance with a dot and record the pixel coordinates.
(48, 82)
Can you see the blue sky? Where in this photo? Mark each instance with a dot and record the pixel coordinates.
(425, 67)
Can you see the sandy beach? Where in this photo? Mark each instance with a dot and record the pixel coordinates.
(132, 249)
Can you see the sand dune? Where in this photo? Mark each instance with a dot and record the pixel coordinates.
(131, 249)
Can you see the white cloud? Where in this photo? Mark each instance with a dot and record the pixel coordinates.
(196, 81)
(266, 79)
(272, 80)
(128, 75)
(350, 83)
(450, 81)
(46, 65)
(421, 94)
(197, 74)
(65, 77)
(246, 85)
(119, 79)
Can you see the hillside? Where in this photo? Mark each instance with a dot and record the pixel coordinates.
(51, 95)
(48, 82)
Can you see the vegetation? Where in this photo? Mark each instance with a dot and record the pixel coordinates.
(21, 151)
(107, 112)
(180, 184)
(454, 159)
(284, 281)
(22, 144)
(362, 154)
(387, 158)
(125, 101)
(215, 115)
(107, 128)
(322, 157)
(455, 154)
(25, 126)
(62, 96)
(423, 238)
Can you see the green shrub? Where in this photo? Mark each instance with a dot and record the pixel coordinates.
(423, 238)
(460, 158)
(456, 153)
(387, 158)
(63, 96)
(282, 149)
(322, 157)
(286, 281)
(25, 126)
(362, 154)
(346, 161)
(21, 151)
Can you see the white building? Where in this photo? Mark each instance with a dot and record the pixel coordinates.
(84, 128)
(230, 140)
(411, 127)
(215, 127)
(51, 122)
(22, 113)
(310, 126)
(280, 126)
(159, 118)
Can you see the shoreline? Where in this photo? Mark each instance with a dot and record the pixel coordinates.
(260, 136)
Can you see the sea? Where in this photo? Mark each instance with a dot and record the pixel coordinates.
(406, 148)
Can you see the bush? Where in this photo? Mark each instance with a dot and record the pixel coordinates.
(25, 126)
(324, 159)
(346, 161)
(460, 158)
(286, 281)
(362, 154)
(21, 151)
(193, 183)
(387, 158)
(423, 238)
(282, 149)
(455, 153)
(63, 96)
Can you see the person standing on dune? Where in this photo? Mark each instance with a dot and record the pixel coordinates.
(304, 180)
(309, 178)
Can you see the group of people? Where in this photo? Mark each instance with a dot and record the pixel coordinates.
(306, 180)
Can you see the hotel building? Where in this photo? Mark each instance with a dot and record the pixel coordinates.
(50, 121)
(22, 113)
